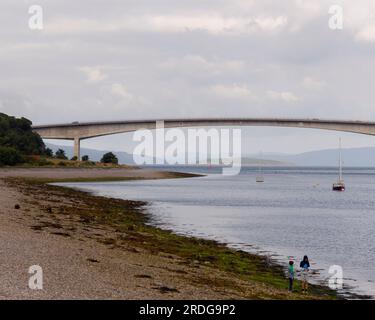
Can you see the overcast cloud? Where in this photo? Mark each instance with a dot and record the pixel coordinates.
(125, 59)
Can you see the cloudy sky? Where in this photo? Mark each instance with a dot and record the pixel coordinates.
(133, 59)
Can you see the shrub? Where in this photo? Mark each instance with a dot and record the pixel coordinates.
(48, 152)
(60, 154)
(44, 162)
(109, 158)
(10, 156)
(85, 158)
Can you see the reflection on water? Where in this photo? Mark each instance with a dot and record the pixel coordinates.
(293, 213)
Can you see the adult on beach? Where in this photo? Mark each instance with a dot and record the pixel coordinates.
(305, 266)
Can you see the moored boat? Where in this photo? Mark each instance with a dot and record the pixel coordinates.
(260, 178)
(339, 185)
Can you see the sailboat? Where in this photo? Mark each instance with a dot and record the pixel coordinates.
(339, 185)
(260, 177)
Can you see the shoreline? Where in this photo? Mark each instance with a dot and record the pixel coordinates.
(223, 273)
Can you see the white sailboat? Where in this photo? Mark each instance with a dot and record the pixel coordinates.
(339, 185)
(260, 178)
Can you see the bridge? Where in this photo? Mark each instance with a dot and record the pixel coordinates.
(77, 131)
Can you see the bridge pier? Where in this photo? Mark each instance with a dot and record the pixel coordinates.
(77, 148)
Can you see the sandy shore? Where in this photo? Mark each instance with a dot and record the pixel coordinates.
(79, 262)
(77, 173)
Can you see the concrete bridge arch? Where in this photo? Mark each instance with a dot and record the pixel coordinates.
(77, 131)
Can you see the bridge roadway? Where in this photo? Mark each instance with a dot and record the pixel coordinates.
(78, 131)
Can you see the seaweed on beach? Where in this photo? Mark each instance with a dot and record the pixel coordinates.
(128, 221)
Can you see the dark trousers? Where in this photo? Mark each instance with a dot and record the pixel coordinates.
(291, 280)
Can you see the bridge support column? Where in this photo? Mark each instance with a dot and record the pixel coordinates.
(77, 148)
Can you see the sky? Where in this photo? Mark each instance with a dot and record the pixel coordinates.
(136, 59)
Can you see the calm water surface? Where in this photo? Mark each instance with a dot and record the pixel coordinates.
(293, 213)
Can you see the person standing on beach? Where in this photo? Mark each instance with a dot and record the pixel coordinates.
(305, 266)
(291, 275)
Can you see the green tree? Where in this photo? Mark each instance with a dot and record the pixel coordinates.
(17, 133)
(48, 152)
(109, 157)
(10, 156)
(60, 154)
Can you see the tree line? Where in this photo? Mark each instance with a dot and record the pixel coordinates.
(18, 143)
(108, 157)
(17, 140)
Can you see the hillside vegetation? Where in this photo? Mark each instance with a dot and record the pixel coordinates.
(17, 141)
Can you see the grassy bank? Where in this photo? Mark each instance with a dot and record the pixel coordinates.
(129, 219)
(44, 162)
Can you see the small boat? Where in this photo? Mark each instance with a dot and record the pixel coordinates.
(260, 178)
(339, 185)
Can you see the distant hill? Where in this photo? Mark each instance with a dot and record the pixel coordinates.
(264, 162)
(126, 158)
(94, 155)
(353, 157)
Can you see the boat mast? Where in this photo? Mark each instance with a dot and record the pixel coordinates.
(340, 161)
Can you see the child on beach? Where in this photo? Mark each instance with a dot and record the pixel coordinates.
(305, 266)
(291, 275)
